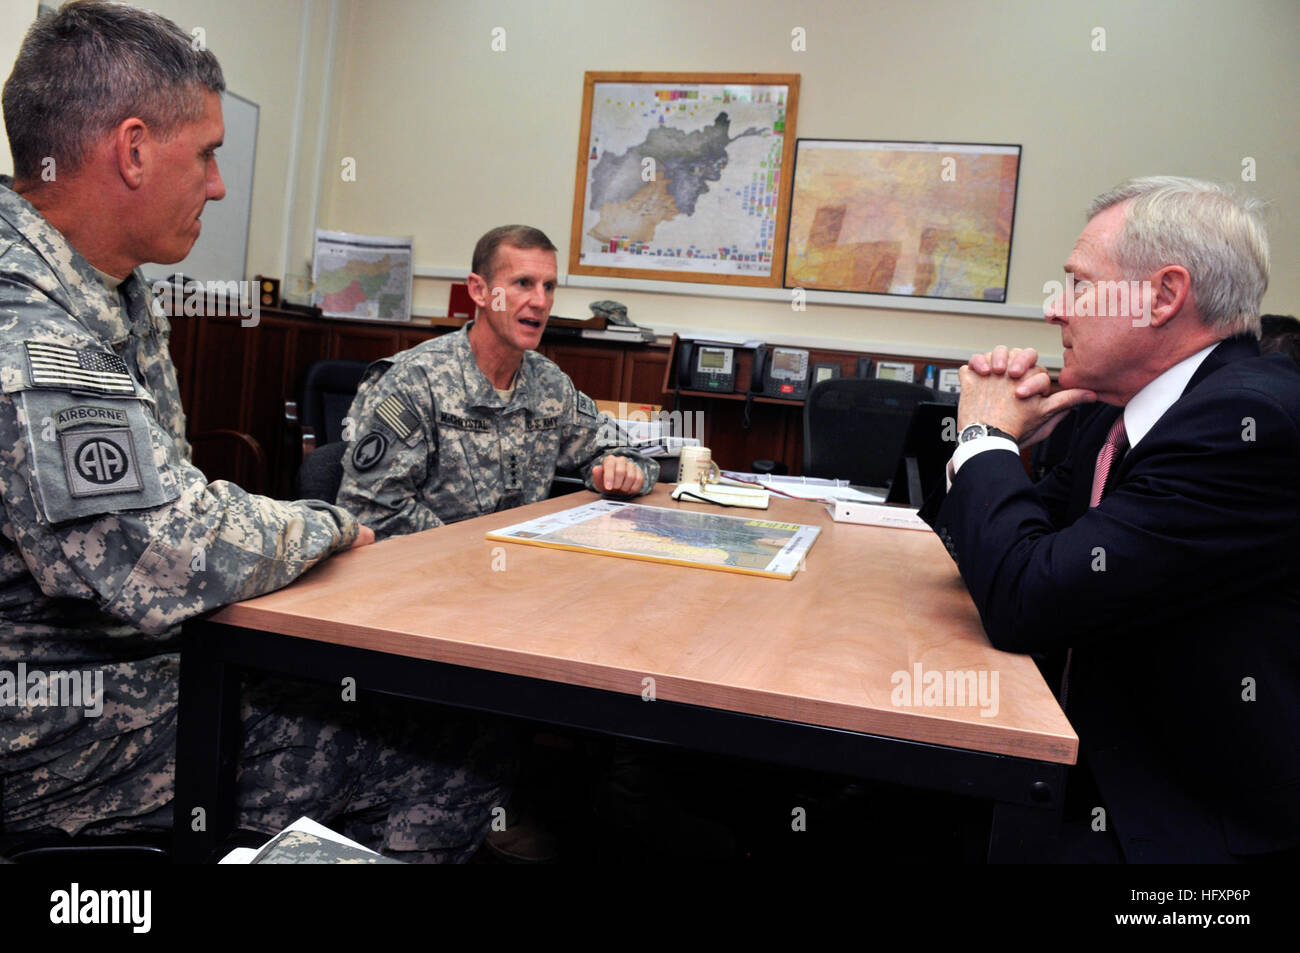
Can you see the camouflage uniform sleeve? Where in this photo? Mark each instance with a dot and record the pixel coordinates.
(591, 436)
(160, 546)
(392, 453)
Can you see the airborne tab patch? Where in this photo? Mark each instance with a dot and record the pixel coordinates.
(83, 414)
(64, 368)
(100, 461)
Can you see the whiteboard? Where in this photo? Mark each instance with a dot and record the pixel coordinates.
(221, 253)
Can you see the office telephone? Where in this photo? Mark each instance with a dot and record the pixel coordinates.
(707, 367)
(781, 372)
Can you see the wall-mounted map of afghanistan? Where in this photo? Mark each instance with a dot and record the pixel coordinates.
(683, 177)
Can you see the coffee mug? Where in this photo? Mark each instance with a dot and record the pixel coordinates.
(696, 466)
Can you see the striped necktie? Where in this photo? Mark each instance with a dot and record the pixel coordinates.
(1114, 447)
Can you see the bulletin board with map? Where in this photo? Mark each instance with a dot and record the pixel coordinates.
(928, 219)
(682, 537)
(684, 176)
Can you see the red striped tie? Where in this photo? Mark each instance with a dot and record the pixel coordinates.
(1116, 443)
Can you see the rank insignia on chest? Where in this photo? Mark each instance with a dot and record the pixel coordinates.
(65, 368)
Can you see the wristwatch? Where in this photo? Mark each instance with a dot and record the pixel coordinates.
(971, 431)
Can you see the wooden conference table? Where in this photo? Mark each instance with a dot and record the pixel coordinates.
(803, 672)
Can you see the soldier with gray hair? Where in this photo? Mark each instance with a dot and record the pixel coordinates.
(477, 421)
(109, 536)
(1157, 560)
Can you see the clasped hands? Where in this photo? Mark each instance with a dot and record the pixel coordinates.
(1008, 390)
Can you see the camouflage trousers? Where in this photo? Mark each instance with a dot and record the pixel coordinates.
(412, 780)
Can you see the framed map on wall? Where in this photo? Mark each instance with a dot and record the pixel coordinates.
(926, 219)
(684, 176)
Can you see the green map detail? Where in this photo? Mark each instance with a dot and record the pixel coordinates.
(372, 276)
(390, 305)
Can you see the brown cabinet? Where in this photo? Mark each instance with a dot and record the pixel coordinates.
(236, 378)
(608, 371)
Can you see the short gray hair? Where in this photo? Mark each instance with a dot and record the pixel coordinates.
(516, 236)
(1218, 237)
(91, 65)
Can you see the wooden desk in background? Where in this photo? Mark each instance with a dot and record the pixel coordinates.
(797, 672)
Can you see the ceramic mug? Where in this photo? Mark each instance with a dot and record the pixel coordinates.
(696, 466)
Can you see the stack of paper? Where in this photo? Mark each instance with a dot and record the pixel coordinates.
(812, 488)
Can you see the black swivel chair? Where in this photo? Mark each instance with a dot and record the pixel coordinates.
(328, 388)
(327, 391)
(853, 429)
(321, 473)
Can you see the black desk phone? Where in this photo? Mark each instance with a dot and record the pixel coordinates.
(781, 372)
(707, 367)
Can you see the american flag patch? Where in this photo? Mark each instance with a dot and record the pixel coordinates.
(396, 416)
(66, 368)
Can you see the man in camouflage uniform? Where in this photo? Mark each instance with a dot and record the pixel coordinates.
(477, 421)
(109, 536)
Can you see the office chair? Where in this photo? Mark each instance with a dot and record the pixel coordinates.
(321, 473)
(327, 391)
(231, 455)
(853, 429)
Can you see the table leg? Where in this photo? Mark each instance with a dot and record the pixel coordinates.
(207, 746)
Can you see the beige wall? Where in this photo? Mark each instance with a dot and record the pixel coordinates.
(258, 43)
(451, 138)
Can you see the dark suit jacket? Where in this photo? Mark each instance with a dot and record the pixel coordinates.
(1180, 595)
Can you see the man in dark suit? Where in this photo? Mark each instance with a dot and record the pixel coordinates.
(1159, 556)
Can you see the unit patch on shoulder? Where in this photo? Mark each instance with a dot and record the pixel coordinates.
(587, 406)
(369, 450)
(65, 368)
(100, 461)
(393, 413)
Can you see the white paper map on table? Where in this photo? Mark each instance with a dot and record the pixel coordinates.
(685, 176)
(362, 276)
(681, 537)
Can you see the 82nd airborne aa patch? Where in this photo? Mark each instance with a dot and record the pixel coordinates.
(100, 461)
